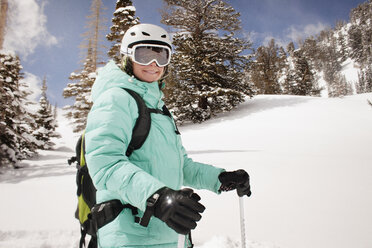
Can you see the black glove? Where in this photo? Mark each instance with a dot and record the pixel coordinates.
(238, 180)
(180, 209)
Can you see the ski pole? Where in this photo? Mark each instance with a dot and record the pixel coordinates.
(181, 241)
(242, 222)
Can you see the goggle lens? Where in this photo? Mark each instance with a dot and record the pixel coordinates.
(146, 54)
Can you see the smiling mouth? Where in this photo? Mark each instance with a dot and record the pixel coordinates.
(151, 72)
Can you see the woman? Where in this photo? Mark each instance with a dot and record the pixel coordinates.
(149, 179)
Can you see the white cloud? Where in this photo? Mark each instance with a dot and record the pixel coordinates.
(263, 39)
(26, 27)
(278, 40)
(292, 33)
(34, 84)
(297, 33)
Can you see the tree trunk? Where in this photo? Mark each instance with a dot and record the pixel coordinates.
(3, 13)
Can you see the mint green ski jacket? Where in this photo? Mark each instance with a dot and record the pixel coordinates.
(161, 161)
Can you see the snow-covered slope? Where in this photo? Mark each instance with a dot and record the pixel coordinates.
(310, 165)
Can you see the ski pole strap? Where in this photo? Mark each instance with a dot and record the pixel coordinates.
(190, 244)
(104, 213)
(150, 208)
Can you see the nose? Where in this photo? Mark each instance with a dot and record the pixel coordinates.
(154, 64)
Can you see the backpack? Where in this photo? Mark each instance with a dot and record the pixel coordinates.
(92, 216)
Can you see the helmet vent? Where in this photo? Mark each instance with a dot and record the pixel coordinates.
(164, 36)
(146, 34)
(133, 34)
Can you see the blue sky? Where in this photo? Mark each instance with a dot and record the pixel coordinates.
(47, 33)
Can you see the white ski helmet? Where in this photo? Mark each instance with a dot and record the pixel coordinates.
(144, 34)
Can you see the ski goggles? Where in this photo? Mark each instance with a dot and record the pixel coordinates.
(145, 54)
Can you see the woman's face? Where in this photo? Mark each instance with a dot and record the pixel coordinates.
(148, 73)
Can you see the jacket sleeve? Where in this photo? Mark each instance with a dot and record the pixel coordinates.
(199, 175)
(108, 133)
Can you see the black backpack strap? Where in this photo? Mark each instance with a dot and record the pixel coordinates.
(83, 233)
(166, 112)
(93, 243)
(142, 126)
(163, 111)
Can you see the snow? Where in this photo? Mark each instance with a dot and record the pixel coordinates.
(350, 70)
(92, 75)
(311, 174)
(323, 84)
(125, 10)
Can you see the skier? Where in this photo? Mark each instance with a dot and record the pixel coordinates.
(151, 178)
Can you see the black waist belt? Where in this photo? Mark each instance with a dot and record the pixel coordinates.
(105, 212)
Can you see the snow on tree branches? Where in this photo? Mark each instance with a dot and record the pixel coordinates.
(124, 18)
(46, 123)
(16, 121)
(207, 71)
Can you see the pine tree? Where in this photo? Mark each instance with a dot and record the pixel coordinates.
(123, 19)
(337, 85)
(310, 51)
(300, 78)
(46, 122)
(365, 80)
(360, 39)
(208, 65)
(94, 35)
(266, 69)
(355, 41)
(342, 40)
(360, 32)
(80, 90)
(331, 65)
(82, 83)
(16, 122)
